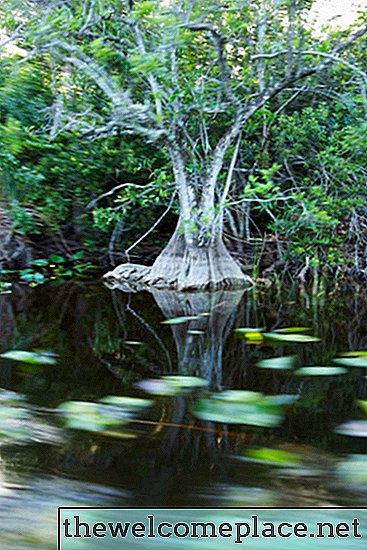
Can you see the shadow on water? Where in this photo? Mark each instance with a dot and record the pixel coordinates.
(178, 451)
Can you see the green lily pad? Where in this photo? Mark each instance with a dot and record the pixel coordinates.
(173, 385)
(289, 338)
(94, 417)
(355, 362)
(292, 330)
(30, 357)
(272, 457)
(237, 407)
(129, 403)
(353, 354)
(180, 320)
(353, 428)
(195, 332)
(353, 469)
(320, 371)
(247, 330)
(278, 363)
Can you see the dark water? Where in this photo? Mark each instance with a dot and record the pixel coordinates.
(107, 342)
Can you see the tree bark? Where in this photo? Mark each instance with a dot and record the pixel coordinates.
(184, 264)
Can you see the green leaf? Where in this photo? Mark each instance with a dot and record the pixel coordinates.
(359, 362)
(278, 363)
(239, 407)
(320, 371)
(291, 330)
(273, 457)
(180, 320)
(30, 357)
(290, 338)
(173, 385)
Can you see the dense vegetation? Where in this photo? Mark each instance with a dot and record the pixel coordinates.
(298, 168)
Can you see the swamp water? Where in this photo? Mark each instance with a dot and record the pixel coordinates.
(272, 414)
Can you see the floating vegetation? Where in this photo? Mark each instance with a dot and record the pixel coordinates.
(291, 338)
(109, 412)
(353, 469)
(291, 330)
(278, 363)
(279, 336)
(271, 457)
(180, 320)
(353, 428)
(19, 423)
(36, 358)
(130, 403)
(240, 407)
(252, 335)
(172, 385)
(359, 361)
(195, 331)
(320, 371)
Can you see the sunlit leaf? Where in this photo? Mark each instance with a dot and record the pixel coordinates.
(320, 371)
(290, 338)
(30, 357)
(291, 330)
(363, 405)
(278, 363)
(273, 457)
(246, 330)
(195, 332)
(252, 336)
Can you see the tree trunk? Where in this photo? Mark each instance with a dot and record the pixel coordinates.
(184, 264)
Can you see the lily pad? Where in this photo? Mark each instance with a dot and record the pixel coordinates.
(247, 330)
(320, 371)
(353, 469)
(272, 457)
(292, 330)
(252, 335)
(353, 428)
(180, 320)
(195, 332)
(129, 403)
(278, 363)
(355, 362)
(290, 338)
(94, 417)
(30, 357)
(237, 407)
(173, 385)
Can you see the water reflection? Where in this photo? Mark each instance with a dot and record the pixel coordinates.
(109, 342)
